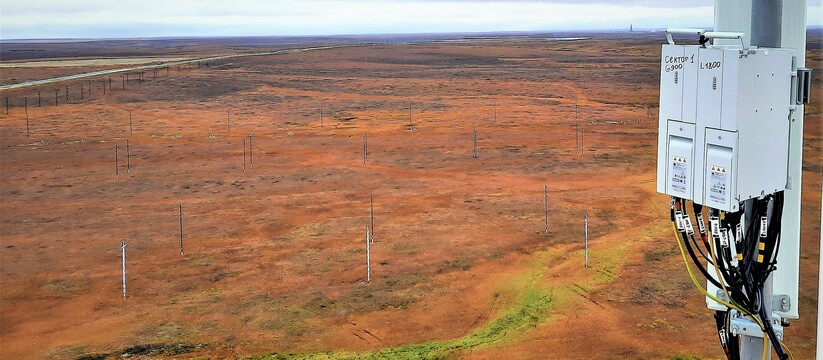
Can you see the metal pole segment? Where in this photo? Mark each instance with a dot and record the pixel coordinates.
(368, 257)
(586, 234)
(123, 252)
(180, 207)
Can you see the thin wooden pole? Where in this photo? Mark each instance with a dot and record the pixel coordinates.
(180, 207)
(39, 98)
(7, 105)
(123, 252)
(131, 129)
(576, 130)
(582, 155)
(321, 116)
(251, 154)
(82, 92)
(228, 117)
(474, 148)
(26, 100)
(495, 112)
(244, 155)
(56, 94)
(67, 94)
(128, 158)
(116, 167)
(546, 207)
(410, 115)
(371, 208)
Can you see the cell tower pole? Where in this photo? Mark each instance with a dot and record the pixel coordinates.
(777, 23)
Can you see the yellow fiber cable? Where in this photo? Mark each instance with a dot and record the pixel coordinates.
(791, 356)
(702, 290)
(710, 296)
(691, 274)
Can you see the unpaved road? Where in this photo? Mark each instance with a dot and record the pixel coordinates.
(164, 64)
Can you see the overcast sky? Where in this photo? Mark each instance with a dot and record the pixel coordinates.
(29, 19)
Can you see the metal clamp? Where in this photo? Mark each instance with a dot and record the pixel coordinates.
(782, 302)
(726, 35)
(682, 31)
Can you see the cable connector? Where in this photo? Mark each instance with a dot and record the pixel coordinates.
(687, 223)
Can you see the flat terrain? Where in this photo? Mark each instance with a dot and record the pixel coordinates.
(274, 259)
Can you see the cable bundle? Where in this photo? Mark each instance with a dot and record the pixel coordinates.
(741, 248)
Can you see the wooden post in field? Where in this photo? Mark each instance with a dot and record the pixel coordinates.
(26, 101)
(109, 83)
(116, 167)
(586, 234)
(89, 89)
(371, 210)
(251, 154)
(67, 94)
(546, 207)
(576, 130)
(128, 158)
(56, 93)
(180, 207)
(228, 118)
(131, 129)
(321, 116)
(365, 149)
(104, 88)
(39, 98)
(474, 148)
(494, 120)
(124, 81)
(368, 256)
(123, 252)
(7, 105)
(82, 92)
(244, 155)
(410, 115)
(581, 143)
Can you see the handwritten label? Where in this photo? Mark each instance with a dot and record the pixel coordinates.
(676, 62)
(710, 65)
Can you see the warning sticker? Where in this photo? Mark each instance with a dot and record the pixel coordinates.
(718, 184)
(680, 170)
